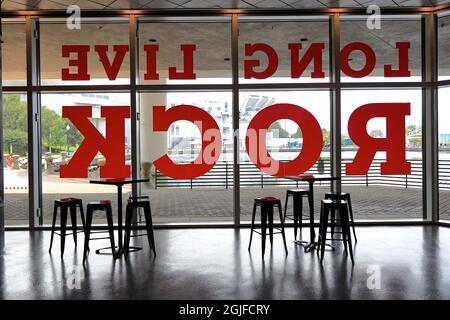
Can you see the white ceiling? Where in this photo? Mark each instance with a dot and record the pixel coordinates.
(13, 5)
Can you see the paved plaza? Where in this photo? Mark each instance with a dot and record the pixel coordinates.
(171, 205)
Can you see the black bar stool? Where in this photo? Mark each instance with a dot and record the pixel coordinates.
(297, 196)
(135, 202)
(267, 204)
(65, 205)
(346, 197)
(340, 206)
(102, 205)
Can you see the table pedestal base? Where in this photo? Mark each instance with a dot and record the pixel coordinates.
(117, 252)
(312, 245)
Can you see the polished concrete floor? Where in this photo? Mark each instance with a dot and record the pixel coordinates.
(404, 262)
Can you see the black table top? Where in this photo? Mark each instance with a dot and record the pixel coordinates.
(118, 181)
(312, 177)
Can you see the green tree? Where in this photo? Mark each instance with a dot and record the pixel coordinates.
(326, 136)
(53, 131)
(15, 134)
(377, 133)
(411, 128)
(298, 134)
(53, 128)
(278, 131)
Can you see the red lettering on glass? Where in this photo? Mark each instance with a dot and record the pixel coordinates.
(112, 146)
(211, 140)
(369, 64)
(150, 53)
(81, 62)
(255, 140)
(314, 52)
(403, 68)
(111, 69)
(250, 65)
(393, 144)
(188, 61)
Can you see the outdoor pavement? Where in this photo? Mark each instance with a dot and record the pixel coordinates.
(216, 205)
(182, 205)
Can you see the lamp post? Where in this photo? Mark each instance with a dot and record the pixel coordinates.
(67, 138)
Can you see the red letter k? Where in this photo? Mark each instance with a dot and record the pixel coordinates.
(112, 146)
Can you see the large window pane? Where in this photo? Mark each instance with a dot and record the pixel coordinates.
(14, 69)
(15, 162)
(383, 43)
(60, 140)
(279, 34)
(284, 142)
(376, 196)
(111, 32)
(165, 42)
(207, 198)
(444, 154)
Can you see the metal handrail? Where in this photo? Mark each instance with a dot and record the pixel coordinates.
(221, 176)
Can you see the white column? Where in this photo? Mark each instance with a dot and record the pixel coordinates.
(153, 144)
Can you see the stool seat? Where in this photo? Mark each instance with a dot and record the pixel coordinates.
(67, 200)
(294, 191)
(341, 194)
(138, 198)
(267, 199)
(334, 203)
(99, 203)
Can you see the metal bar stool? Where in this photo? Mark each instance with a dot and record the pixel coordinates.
(341, 207)
(102, 205)
(267, 204)
(346, 197)
(297, 196)
(135, 202)
(65, 205)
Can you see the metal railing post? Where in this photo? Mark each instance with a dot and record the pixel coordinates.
(226, 174)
